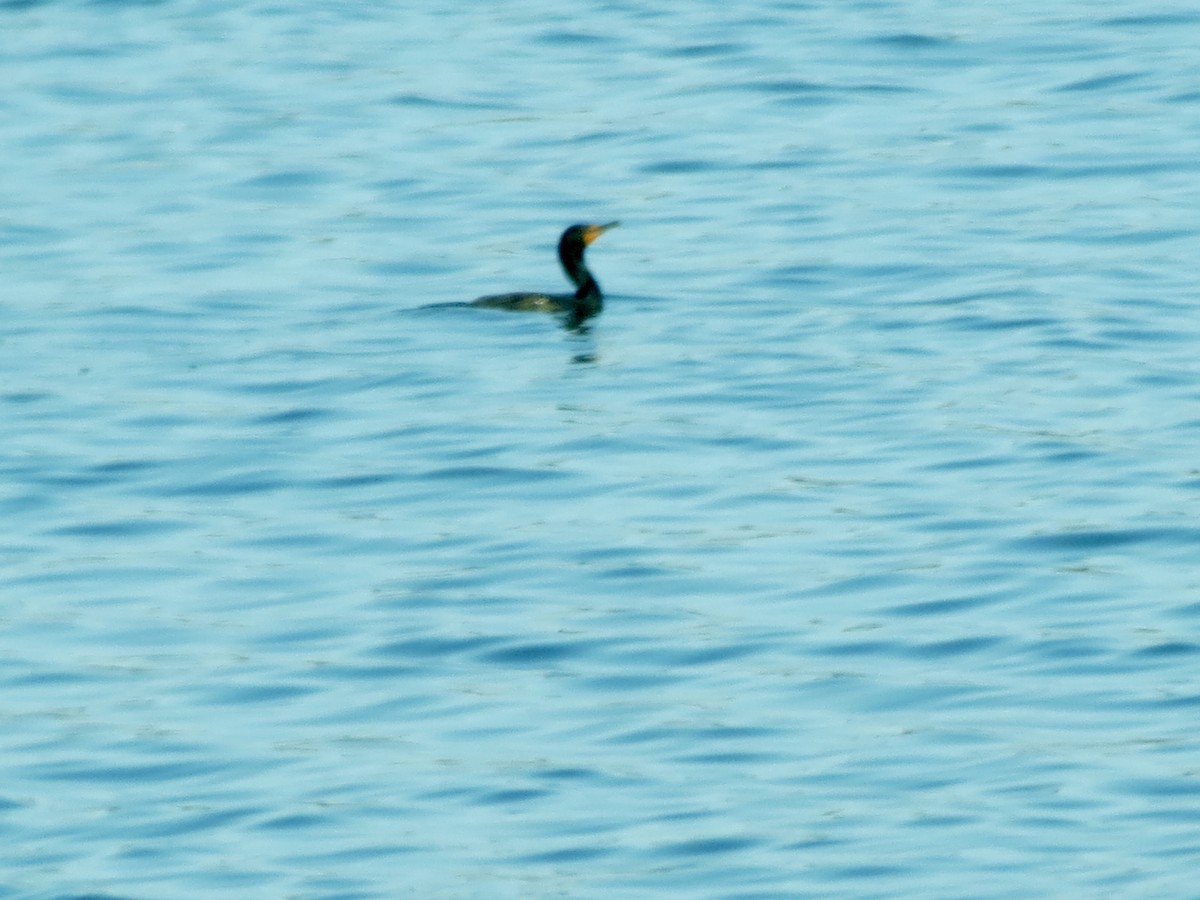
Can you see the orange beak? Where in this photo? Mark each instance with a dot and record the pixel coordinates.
(594, 231)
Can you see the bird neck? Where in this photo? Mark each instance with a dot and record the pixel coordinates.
(587, 299)
(588, 295)
(572, 263)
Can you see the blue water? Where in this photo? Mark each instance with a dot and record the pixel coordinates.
(852, 551)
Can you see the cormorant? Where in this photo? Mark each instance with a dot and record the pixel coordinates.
(578, 307)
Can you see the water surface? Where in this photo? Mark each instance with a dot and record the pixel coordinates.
(850, 552)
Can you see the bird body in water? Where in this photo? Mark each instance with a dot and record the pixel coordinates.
(587, 299)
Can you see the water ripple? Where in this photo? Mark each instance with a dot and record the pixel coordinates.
(849, 547)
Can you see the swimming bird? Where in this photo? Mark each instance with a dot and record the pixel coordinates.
(578, 307)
